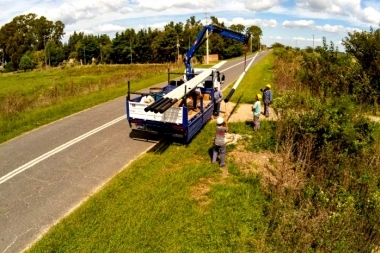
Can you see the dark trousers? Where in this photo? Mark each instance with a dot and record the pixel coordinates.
(216, 108)
(219, 150)
(266, 109)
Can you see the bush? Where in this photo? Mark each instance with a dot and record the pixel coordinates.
(331, 149)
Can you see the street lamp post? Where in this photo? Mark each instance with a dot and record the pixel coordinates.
(101, 57)
(2, 57)
(130, 47)
(177, 50)
(45, 50)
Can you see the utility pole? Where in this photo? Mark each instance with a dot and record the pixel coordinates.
(206, 41)
(177, 49)
(313, 42)
(130, 47)
(258, 43)
(2, 57)
(250, 44)
(84, 52)
(45, 51)
(101, 57)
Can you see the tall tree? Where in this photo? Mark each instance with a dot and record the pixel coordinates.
(365, 47)
(256, 34)
(28, 33)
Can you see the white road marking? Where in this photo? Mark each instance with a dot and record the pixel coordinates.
(230, 67)
(66, 145)
(56, 150)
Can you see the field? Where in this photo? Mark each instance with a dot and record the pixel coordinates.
(29, 100)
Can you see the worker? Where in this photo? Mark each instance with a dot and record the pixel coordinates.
(217, 99)
(256, 109)
(219, 142)
(196, 95)
(267, 98)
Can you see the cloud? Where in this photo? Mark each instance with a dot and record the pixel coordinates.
(158, 26)
(298, 23)
(249, 22)
(370, 15)
(306, 39)
(260, 5)
(174, 4)
(336, 29)
(276, 37)
(352, 9)
(71, 12)
(108, 28)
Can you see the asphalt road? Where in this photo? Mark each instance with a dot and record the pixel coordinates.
(48, 172)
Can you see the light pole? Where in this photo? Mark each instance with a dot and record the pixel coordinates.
(101, 57)
(130, 47)
(2, 57)
(45, 50)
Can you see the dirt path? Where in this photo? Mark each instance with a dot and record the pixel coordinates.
(241, 112)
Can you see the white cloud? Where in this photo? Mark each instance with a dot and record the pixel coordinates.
(349, 9)
(159, 26)
(174, 4)
(298, 23)
(249, 22)
(370, 15)
(70, 12)
(107, 28)
(299, 38)
(275, 37)
(335, 29)
(260, 5)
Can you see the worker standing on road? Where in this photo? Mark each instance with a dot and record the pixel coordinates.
(267, 98)
(217, 100)
(219, 142)
(256, 109)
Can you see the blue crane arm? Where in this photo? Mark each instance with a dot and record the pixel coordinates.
(200, 40)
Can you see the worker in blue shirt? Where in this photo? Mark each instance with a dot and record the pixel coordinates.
(267, 98)
(217, 100)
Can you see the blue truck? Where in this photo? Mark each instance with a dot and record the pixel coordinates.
(168, 112)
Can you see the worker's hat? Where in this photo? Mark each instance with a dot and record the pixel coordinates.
(219, 120)
(268, 85)
(259, 96)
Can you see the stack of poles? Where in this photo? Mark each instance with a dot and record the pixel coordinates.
(168, 100)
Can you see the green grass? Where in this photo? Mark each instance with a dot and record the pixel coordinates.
(151, 207)
(32, 99)
(257, 77)
(172, 199)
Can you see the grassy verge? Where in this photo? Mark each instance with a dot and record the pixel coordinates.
(173, 200)
(170, 200)
(257, 77)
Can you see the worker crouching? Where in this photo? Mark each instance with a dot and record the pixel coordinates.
(219, 142)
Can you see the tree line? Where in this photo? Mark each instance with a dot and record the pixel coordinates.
(29, 42)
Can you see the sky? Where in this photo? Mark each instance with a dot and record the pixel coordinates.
(295, 23)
